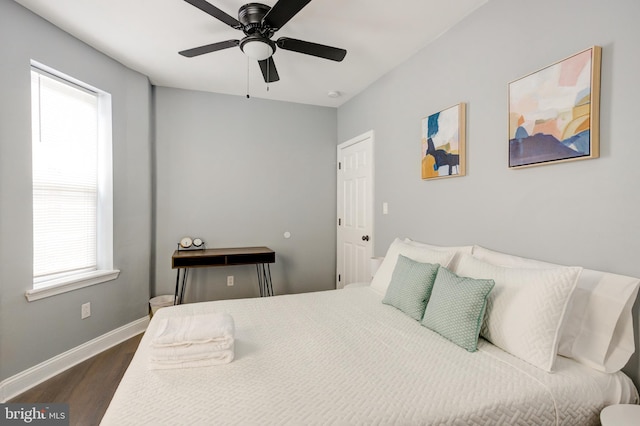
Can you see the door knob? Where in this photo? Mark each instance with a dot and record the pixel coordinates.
(365, 238)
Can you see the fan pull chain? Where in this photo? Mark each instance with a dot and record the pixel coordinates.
(248, 66)
(268, 66)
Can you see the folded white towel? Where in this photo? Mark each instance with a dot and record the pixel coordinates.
(215, 358)
(217, 328)
(187, 352)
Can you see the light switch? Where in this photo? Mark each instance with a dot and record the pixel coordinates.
(385, 208)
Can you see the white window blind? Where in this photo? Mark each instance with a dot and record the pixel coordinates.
(65, 177)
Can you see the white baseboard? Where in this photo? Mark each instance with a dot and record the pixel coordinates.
(37, 374)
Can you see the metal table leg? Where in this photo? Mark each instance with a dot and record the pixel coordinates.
(184, 284)
(264, 280)
(268, 279)
(260, 281)
(178, 296)
(175, 294)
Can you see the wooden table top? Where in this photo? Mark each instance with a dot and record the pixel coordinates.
(222, 256)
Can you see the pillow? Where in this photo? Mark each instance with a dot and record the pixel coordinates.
(456, 308)
(410, 286)
(374, 264)
(598, 330)
(510, 261)
(526, 308)
(382, 278)
(457, 249)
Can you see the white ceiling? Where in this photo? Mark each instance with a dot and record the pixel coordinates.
(146, 35)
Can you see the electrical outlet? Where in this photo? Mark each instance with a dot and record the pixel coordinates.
(86, 310)
(229, 280)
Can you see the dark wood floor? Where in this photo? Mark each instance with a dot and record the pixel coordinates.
(87, 387)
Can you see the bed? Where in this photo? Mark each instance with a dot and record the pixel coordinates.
(345, 357)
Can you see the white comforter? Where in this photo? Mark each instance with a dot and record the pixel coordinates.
(343, 357)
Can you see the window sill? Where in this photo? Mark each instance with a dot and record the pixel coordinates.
(64, 285)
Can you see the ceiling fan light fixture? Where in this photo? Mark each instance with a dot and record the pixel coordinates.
(259, 23)
(257, 48)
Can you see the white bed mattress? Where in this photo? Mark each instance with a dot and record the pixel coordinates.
(343, 357)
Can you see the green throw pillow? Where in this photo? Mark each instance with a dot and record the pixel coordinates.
(410, 286)
(456, 308)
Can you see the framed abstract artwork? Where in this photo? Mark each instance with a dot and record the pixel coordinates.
(443, 143)
(554, 112)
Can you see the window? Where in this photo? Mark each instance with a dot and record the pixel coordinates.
(72, 181)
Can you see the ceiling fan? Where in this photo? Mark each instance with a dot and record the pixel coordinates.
(259, 22)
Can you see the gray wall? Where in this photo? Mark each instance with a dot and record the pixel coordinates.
(242, 172)
(582, 212)
(34, 332)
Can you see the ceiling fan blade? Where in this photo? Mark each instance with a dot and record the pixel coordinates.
(314, 49)
(190, 53)
(215, 12)
(282, 12)
(269, 71)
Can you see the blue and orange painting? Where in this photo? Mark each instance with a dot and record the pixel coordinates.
(441, 143)
(550, 113)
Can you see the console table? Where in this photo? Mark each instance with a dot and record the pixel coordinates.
(183, 260)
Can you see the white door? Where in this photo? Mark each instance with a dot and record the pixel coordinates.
(355, 210)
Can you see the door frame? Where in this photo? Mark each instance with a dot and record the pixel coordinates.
(370, 135)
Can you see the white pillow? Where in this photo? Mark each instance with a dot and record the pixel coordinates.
(382, 278)
(453, 265)
(598, 329)
(509, 260)
(526, 308)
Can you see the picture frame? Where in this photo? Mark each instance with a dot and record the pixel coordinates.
(554, 113)
(443, 143)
